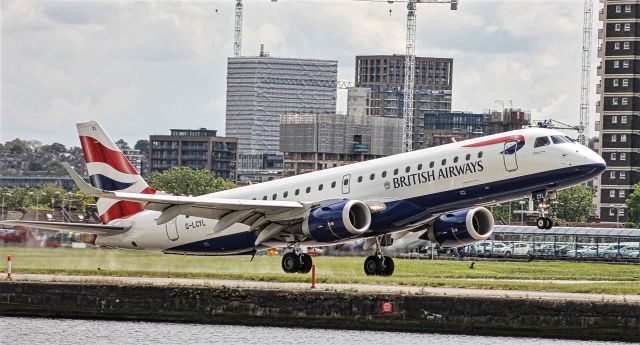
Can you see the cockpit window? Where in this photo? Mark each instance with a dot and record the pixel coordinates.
(541, 141)
(560, 139)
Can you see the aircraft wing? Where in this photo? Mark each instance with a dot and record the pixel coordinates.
(97, 229)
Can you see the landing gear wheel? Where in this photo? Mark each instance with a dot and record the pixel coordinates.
(541, 222)
(549, 224)
(387, 267)
(290, 263)
(305, 263)
(371, 264)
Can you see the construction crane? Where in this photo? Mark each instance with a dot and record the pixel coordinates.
(237, 32)
(555, 124)
(583, 130)
(410, 66)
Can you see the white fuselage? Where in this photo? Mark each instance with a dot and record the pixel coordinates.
(414, 186)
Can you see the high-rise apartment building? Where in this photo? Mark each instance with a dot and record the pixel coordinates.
(197, 149)
(262, 88)
(619, 105)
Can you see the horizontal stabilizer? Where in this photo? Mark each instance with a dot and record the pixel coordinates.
(97, 229)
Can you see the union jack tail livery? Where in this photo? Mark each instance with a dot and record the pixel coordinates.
(110, 170)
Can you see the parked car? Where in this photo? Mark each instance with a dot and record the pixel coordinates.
(613, 251)
(631, 252)
(584, 252)
(521, 249)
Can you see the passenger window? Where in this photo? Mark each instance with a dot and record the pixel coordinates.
(253, 199)
(320, 187)
(468, 157)
(274, 196)
(359, 179)
(264, 197)
(444, 162)
(372, 176)
(541, 141)
(285, 194)
(333, 184)
(431, 165)
(308, 189)
(384, 174)
(420, 166)
(455, 159)
(297, 192)
(345, 182)
(480, 154)
(407, 169)
(395, 171)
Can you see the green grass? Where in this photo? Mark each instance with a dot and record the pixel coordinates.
(625, 279)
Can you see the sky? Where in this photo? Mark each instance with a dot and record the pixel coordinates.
(142, 68)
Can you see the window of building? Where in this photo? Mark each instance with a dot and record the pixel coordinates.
(623, 119)
(623, 156)
(627, 27)
(297, 192)
(320, 187)
(615, 82)
(612, 193)
(624, 101)
(618, 8)
(333, 184)
(395, 171)
(625, 82)
(614, 156)
(617, 27)
(407, 169)
(614, 138)
(444, 162)
(384, 174)
(616, 45)
(623, 138)
(627, 8)
(419, 166)
(612, 212)
(308, 189)
(359, 179)
(541, 141)
(614, 101)
(626, 45)
(285, 194)
(623, 175)
(616, 64)
(372, 176)
(614, 119)
(621, 193)
(625, 64)
(612, 175)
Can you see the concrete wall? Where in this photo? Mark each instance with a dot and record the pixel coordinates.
(322, 309)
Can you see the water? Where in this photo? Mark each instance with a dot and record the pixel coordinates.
(18, 331)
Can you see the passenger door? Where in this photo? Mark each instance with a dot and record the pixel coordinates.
(172, 229)
(509, 155)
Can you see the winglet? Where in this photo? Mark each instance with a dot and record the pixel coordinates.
(84, 186)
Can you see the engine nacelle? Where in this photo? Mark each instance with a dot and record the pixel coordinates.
(338, 221)
(462, 228)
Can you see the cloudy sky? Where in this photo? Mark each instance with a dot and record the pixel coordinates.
(142, 68)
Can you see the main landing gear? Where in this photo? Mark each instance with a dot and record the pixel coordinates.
(378, 264)
(294, 262)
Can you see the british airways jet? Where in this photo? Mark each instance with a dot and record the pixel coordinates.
(438, 191)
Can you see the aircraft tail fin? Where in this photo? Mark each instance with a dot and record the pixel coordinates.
(110, 170)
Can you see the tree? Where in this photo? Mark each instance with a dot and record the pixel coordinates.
(187, 181)
(54, 148)
(501, 211)
(633, 204)
(56, 168)
(35, 166)
(142, 145)
(123, 145)
(592, 142)
(16, 146)
(574, 204)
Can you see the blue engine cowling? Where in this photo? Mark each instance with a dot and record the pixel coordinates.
(342, 220)
(462, 228)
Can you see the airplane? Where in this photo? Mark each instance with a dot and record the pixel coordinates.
(439, 191)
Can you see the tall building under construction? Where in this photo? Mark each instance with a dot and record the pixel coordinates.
(619, 105)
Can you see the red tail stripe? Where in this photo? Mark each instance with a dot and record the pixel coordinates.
(124, 209)
(95, 152)
(497, 141)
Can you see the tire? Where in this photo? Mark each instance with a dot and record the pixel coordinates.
(549, 224)
(540, 222)
(305, 263)
(371, 265)
(388, 267)
(290, 263)
(606, 256)
(507, 254)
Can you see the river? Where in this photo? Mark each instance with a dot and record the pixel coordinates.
(18, 331)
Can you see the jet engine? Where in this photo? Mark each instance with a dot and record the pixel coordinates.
(342, 220)
(462, 228)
